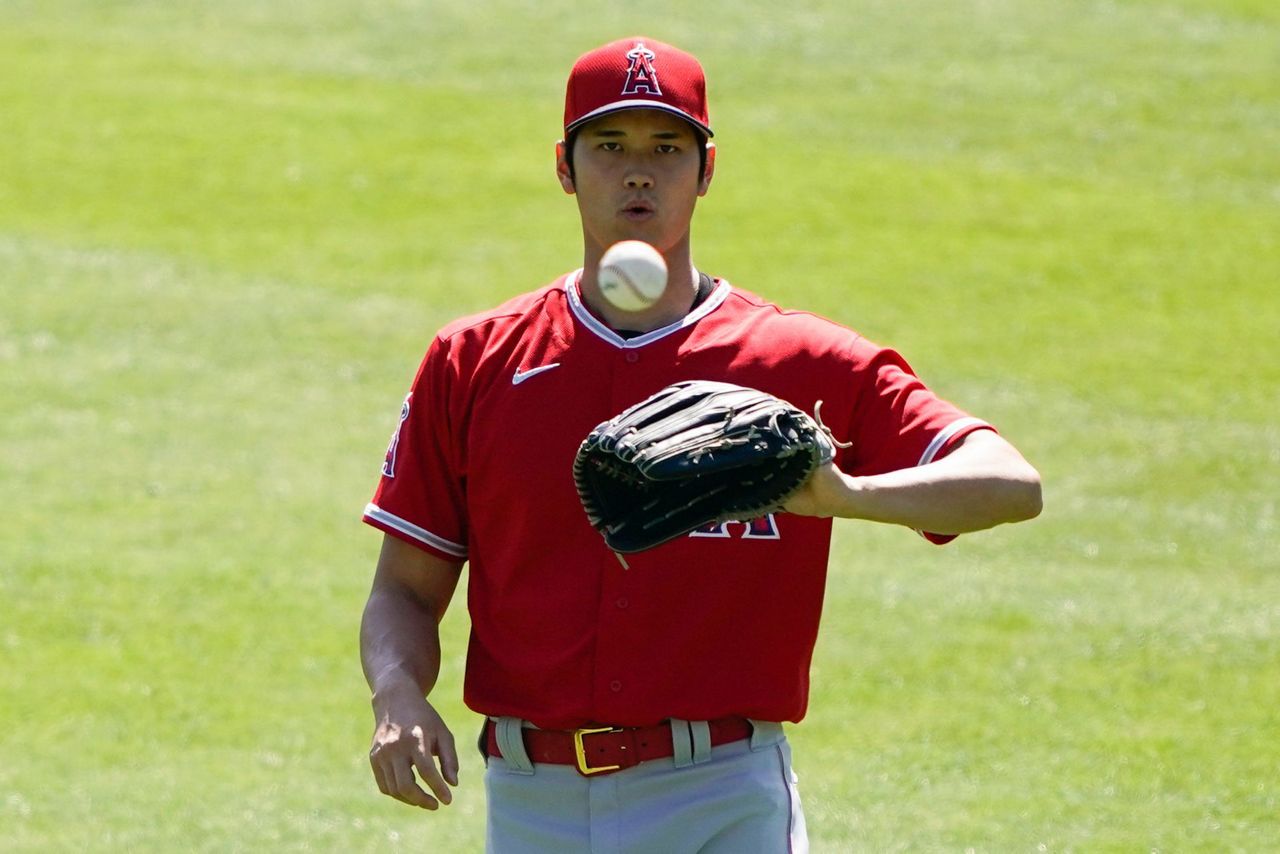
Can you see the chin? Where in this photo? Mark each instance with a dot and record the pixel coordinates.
(654, 240)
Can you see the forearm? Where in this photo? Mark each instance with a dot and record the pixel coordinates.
(939, 499)
(399, 643)
(983, 483)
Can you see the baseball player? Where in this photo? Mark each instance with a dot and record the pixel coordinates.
(636, 708)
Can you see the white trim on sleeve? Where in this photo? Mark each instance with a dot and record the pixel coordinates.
(944, 436)
(377, 514)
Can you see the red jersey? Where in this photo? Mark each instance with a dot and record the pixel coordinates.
(721, 622)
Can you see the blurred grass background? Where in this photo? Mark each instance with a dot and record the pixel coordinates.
(227, 232)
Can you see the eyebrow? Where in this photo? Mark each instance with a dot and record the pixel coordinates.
(662, 134)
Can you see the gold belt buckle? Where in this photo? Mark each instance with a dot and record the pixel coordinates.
(580, 752)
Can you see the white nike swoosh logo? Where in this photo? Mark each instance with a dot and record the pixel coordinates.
(520, 376)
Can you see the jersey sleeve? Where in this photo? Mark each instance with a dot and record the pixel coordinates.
(899, 423)
(421, 495)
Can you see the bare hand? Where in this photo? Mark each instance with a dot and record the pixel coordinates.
(411, 735)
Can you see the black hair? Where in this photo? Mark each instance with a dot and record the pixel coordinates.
(700, 139)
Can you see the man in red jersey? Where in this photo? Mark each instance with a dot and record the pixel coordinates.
(636, 708)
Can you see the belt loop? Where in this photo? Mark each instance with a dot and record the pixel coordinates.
(701, 732)
(510, 737)
(682, 752)
(765, 734)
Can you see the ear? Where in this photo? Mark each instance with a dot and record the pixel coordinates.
(562, 169)
(705, 184)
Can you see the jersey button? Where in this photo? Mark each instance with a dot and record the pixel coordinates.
(615, 686)
(633, 356)
(622, 602)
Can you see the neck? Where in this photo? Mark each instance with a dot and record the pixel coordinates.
(675, 302)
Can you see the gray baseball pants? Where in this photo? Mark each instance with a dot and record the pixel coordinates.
(736, 798)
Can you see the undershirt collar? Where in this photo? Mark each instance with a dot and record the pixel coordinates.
(705, 286)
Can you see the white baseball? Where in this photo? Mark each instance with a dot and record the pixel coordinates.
(633, 275)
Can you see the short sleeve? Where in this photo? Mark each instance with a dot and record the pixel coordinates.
(421, 496)
(899, 423)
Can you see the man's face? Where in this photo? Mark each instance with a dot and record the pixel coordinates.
(636, 178)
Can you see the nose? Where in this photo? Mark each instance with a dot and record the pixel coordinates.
(638, 178)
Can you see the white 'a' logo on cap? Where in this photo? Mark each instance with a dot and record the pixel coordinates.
(640, 74)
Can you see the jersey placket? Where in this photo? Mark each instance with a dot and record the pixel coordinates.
(638, 371)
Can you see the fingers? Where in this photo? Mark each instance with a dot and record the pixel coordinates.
(396, 754)
(434, 777)
(394, 775)
(407, 788)
(449, 760)
(378, 775)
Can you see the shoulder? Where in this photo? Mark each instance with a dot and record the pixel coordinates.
(766, 311)
(519, 311)
(794, 329)
(477, 345)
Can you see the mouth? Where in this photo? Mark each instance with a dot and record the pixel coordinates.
(638, 209)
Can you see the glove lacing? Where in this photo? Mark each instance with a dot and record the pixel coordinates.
(817, 416)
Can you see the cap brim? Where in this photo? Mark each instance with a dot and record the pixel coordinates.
(636, 104)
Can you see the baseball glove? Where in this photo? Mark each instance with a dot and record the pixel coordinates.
(693, 454)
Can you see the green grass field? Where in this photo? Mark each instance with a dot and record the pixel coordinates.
(227, 232)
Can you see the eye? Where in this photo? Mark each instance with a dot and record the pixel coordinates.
(668, 148)
(610, 146)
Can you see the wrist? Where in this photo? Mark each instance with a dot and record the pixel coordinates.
(855, 496)
(842, 495)
(392, 682)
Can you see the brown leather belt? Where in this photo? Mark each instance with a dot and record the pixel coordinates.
(603, 750)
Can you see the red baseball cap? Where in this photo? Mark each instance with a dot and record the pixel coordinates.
(636, 73)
